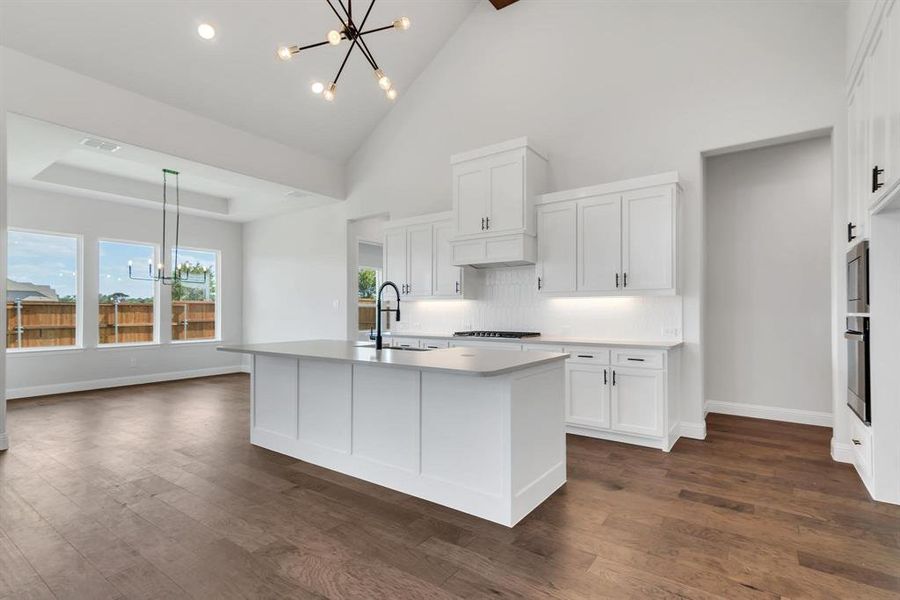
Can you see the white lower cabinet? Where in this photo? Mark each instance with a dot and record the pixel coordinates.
(587, 395)
(636, 400)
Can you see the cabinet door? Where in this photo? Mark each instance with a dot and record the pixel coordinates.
(600, 243)
(507, 192)
(648, 239)
(587, 396)
(892, 24)
(420, 260)
(447, 278)
(470, 194)
(556, 247)
(636, 398)
(879, 77)
(395, 257)
(859, 178)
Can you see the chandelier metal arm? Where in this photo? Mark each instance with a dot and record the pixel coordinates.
(386, 27)
(336, 13)
(316, 45)
(344, 62)
(367, 53)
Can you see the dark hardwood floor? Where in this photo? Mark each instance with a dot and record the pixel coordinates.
(155, 492)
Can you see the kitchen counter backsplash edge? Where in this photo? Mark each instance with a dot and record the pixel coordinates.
(544, 339)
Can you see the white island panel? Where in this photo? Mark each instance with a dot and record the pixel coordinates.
(325, 405)
(275, 389)
(386, 416)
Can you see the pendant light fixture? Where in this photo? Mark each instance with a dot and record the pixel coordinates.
(181, 272)
(349, 31)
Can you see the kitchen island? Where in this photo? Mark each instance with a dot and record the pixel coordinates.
(478, 430)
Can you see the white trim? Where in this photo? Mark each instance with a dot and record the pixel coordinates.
(513, 144)
(4, 442)
(695, 431)
(772, 413)
(636, 183)
(97, 384)
(841, 452)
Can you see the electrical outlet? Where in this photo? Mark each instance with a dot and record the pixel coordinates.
(671, 332)
(133, 362)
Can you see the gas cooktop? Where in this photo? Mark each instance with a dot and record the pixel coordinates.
(497, 334)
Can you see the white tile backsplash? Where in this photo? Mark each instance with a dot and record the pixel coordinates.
(508, 299)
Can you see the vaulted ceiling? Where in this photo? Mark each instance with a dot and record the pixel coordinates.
(152, 48)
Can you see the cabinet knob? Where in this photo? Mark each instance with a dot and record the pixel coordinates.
(850, 228)
(617, 280)
(604, 376)
(457, 287)
(624, 280)
(856, 442)
(482, 223)
(614, 377)
(487, 222)
(539, 283)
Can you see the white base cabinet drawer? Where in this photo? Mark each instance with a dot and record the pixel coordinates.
(640, 359)
(588, 355)
(542, 347)
(861, 441)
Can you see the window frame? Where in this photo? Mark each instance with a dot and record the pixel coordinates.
(157, 313)
(218, 274)
(79, 291)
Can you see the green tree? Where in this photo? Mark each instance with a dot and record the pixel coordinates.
(367, 283)
(195, 291)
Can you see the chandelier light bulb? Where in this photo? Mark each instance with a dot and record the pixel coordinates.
(206, 31)
(328, 94)
(286, 53)
(402, 23)
(334, 37)
(383, 81)
(391, 94)
(317, 87)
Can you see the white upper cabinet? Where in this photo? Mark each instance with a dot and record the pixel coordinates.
(648, 239)
(556, 226)
(493, 203)
(395, 257)
(873, 118)
(420, 260)
(613, 239)
(447, 278)
(599, 243)
(417, 257)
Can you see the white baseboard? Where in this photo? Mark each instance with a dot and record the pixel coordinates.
(98, 384)
(841, 452)
(695, 431)
(773, 413)
(4, 441)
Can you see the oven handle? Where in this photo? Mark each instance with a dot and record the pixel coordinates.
(852, 335)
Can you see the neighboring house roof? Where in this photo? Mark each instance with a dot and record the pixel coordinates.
(23, 290)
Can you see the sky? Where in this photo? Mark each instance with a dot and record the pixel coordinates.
(52, 260)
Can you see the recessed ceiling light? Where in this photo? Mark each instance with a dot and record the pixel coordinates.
(206, 31)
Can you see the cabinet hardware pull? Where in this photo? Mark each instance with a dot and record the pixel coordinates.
(637, 359)
(850, 228)
(539, 283)
(487, 222)
(856, 442)
(604, 376)
(614, 377)
(624, 280)
(457, 287)
(876, 173)
(482, 223)
(617, 280)
(585, 356)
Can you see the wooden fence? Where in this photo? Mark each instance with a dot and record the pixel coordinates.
(366, 311)
(53, 323)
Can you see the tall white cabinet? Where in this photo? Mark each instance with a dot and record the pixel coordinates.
(612, 239)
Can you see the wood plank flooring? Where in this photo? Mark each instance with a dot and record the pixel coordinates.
(155, 492)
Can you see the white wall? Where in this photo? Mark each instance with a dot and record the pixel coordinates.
(362, 230)
(768, 282)
(295, 276)
(611, 90)
(41, 372)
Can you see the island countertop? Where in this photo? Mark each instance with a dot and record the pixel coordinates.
(483, 362)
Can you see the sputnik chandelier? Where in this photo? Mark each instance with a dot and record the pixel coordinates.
(349, 31)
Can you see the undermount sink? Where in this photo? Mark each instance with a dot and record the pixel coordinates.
(408, 349)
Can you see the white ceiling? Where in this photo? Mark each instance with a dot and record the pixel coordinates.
(152, 48)
(51, 157)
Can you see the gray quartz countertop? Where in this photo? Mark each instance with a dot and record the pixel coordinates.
(552, 340)
(461, 361)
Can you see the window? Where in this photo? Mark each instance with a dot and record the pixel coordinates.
(194, 301)
(368, 287)
(42, 290)
(126, 305)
